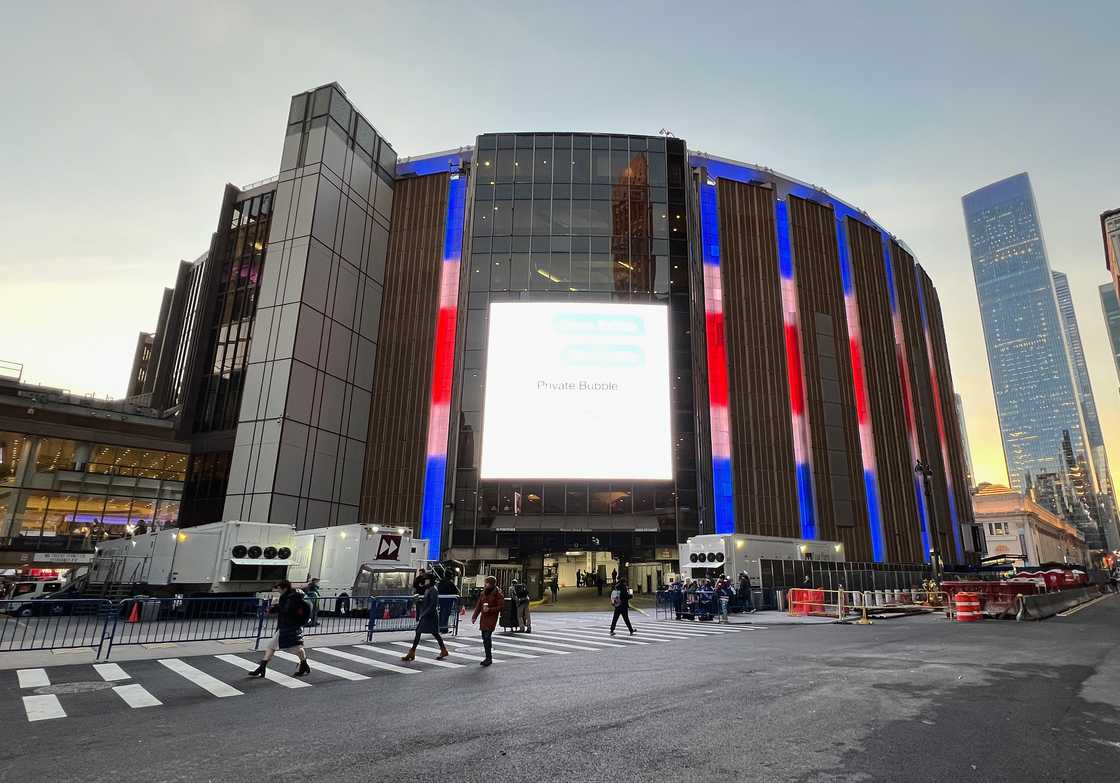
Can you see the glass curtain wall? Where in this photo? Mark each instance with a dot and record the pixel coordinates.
(563, 217)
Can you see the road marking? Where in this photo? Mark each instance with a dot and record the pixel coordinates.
(322, 667)
(110, 672)
(582, 634)
(1077, 609)
(33, 678)
(562, 645)
(580, 639)
(43, 707)
(369, 661)
(269, 674)
(434, 648)
(511, 653)
(706, 629)
(136, 696)
(500, 643)
(200, 678)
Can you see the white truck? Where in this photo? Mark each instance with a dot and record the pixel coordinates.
(358, 560)
(221, 557)
(731, 553)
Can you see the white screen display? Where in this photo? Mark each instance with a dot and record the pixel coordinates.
(577, 391)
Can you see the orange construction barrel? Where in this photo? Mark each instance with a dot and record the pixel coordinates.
(968, 607)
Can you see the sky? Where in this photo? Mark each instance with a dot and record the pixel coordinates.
(123, 122)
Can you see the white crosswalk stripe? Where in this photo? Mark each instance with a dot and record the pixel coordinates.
(367, 661)
(200, 678)
(136, 696)
(110, 672)
(43, 707)
(468, 648)
(530, 648)
(319, 666)
(33, 678)
(269, 674)
(434, 648)
(621, 640)
(577, 638)
(549, 643)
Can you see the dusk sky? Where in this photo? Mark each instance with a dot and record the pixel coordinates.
(124, 121)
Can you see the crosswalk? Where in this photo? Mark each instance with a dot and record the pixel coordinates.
(69, 691)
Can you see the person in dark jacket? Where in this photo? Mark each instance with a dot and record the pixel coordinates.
(744, 591)
(620, 597)
(488, 607)
(312, 593)
(521, 602)
(293, 610)
(448, 592)
(554, 587)
(427, 618)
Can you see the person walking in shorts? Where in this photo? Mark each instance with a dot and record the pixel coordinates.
(488, 607)
(293, 611)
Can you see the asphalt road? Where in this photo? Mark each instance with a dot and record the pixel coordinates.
(914, 699)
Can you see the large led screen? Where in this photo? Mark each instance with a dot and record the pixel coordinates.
(577, 391)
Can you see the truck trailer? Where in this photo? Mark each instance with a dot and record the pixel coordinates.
(729, 554)
(229, 558)
(358, 560)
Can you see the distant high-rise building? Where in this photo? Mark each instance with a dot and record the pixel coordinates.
(1110, 232)
(1084, 386)
(1036, 393)
(969, 473)
(1110, 304)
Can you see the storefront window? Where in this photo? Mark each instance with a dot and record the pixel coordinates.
(55, 454)
(11, 452)
(28, 519)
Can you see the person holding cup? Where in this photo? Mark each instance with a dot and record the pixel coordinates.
(488, 607)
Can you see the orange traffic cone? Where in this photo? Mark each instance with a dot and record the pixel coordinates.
(385, 614)
(134, 615)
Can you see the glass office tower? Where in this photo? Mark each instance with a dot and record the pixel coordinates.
(1110, 305)
(1032, 376)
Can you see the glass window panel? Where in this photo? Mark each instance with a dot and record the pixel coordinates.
(621, 499)
(522, 217)
(542, 163)
(60, 511)
(600, 217)
(55, 454)
(542, 216)
(519, 272)
(28, 518)
(499, 272)
(599, 499)
(580, 167)
(657, 175)
(531, 502)
(601, 167)
(581, 270)
(523, 165)
(12, 448)
(576, 499)
(480, 272)
(553, 498)
(504, 165)
(561, 217)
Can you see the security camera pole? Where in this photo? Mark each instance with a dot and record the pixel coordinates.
(924, 470)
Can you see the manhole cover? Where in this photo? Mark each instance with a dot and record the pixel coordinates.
(73, 687)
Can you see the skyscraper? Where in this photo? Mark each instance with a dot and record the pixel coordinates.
(1032, 376)
(969, 473)
(1110, 232)
(1110, 304)
(1084, 385)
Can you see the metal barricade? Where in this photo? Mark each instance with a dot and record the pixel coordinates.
(46, 624)
(395, 613)
(143, 620)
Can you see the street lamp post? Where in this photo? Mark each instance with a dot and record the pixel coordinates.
(922, 469)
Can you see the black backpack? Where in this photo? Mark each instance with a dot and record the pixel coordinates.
(299, 610)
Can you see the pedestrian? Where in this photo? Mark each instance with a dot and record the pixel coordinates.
(427, 617)
(488, 607)
(293, 611)
(614, 575)
(312, 593)
(579, 578)
(745, 599)
(620, 597)
(521, 599)
(554, 587)
(448, 600)
(599, 585)
(724, 593)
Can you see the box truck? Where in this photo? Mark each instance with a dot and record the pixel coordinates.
(358, 560)
(230, 558)
(708, 556)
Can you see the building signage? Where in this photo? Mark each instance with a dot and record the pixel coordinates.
(63, 557)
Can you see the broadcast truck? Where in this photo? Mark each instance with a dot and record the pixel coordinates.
(228, 558)
(707, 556)
(357, 561)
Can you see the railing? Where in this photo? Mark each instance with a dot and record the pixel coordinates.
(53, 625)
(841, 604)
(50, 624)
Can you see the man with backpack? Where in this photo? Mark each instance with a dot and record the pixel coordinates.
(521, 599)
(293, 611)
(620, 597)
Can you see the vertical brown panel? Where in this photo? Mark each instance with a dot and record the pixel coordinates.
(398, 423)
(925, 417)
(884, 396)
(762, 460)
(961, 494)
(837, 469)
